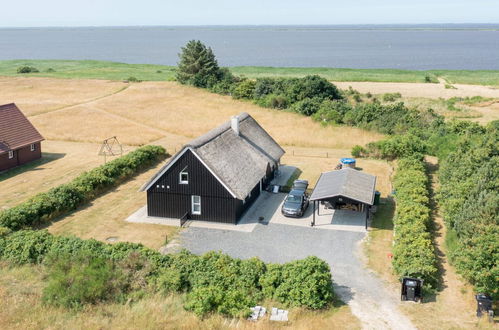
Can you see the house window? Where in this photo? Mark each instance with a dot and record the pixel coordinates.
(196, 205)
(183, 177)
(11, 154)
(32, 147)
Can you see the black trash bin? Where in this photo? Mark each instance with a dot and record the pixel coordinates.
(483, 304)
(412, 289)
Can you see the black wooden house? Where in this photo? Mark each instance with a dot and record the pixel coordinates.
(217, 176)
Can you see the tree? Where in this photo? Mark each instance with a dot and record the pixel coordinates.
(198, 65)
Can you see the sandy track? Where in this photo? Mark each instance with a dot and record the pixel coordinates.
(434, 91)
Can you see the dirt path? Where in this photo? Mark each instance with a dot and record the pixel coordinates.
(86, 102)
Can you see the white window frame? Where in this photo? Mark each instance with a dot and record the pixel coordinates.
(193, 203)
(32, 147)
(11, 154)
(180, 181)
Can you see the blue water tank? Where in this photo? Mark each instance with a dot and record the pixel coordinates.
(348, 162)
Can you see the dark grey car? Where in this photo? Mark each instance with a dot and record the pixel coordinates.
(297, 201)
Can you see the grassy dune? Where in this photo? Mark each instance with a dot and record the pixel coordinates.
(118, 71)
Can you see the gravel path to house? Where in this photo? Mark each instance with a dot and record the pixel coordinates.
(366, 294)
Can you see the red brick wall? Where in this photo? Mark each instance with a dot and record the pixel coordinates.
(21, 156)
(26, 155)
(6, 163)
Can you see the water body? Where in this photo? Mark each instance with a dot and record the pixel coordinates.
(471, 47)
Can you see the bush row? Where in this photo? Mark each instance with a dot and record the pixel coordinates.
(87, 271)
(303, 95)
(469, 199)
(66, 197)
(413, 251)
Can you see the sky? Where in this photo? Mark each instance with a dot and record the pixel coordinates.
(35, 13)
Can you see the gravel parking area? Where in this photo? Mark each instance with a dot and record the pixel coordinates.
(369, 299)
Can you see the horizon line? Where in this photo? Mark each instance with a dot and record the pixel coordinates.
(257, 25)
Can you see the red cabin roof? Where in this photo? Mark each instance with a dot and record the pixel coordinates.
(15, 129)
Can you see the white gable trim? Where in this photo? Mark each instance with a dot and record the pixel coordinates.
(175, 159)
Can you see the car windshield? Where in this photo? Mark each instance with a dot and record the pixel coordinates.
(293, 199)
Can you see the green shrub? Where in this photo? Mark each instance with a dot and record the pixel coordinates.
(267, 86)
(236, 303)
(225, 83)
(133, 79)
(332, 111)
(469, 200)
(27, 69)
(244, 90)
(413, 251)
(214, 282)
(273, 101)
(170, 280)
(304, 282)
(358, 151)
(391, 97)
(307, 106)
(312, 86)
(78, 280)
(50, 70)
(430, 78)
(204, 300)
(27, 246)
(397, 146)
(391, 118)
(67, 197)
(4, 231)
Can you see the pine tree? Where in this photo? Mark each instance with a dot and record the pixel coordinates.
(198, 65)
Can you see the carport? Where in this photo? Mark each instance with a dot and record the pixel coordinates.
(344, 189)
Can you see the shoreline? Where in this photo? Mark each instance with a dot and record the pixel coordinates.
(94, 69)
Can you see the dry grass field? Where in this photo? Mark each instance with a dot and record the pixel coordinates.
(21, 308)
(61, 162)
(426, 90)
(39, 95)
(145, 112)
(103, 218)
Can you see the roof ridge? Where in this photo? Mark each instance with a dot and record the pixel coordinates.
(7, 105)
(216, 132)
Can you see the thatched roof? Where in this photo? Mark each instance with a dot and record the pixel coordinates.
(346, 182)
(239, 161)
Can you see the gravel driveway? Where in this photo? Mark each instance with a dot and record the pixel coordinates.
(369, 299)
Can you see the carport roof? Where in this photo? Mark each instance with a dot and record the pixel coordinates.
(346, 182)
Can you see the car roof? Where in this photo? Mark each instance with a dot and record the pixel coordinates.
(297, 192)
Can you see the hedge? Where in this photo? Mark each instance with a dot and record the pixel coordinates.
(469, 199)
(413, 251)
(67, 197)
(213, 282)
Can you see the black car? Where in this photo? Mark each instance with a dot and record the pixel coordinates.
(296, 202)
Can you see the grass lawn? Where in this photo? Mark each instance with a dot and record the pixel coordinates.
(88, 69)
(104, 218)
(21, 308)
(61, 162)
